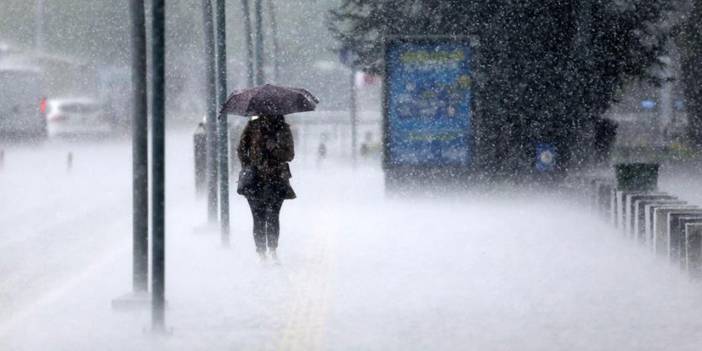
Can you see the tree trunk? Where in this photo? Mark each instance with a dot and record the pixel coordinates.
(692, 73)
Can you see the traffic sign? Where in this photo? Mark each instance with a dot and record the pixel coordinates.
(546, 157)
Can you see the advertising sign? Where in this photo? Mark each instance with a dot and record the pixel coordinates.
(428, 95)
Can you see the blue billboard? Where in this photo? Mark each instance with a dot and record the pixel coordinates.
(428, 102)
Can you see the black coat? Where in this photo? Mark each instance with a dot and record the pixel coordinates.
(267, 146)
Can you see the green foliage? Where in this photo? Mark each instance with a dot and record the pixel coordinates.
(691, 53)
(550, 68)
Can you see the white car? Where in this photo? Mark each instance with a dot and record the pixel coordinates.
(77, 117)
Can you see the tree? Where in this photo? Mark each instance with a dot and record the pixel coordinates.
(551, 68)
(691, 57)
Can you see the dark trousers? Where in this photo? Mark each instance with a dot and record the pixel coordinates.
(266, 222)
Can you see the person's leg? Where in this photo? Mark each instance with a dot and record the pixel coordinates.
(258, 211)
(273, 223)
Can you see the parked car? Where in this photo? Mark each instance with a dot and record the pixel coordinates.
(20, 99)
(77, 117)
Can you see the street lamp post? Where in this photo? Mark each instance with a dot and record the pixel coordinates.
(39, 30)
(275, 39)
(248, 35)
(223, 125)
(584, 58)
(354, 117)
(140, 176)
(158, 265)
(211, 123)
(258, 12)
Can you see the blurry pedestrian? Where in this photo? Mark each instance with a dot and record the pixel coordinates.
(365, 146)
(322, 149)
(265, 148)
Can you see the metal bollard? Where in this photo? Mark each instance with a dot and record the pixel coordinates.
(2, 159)
(69, 161)
(661, 240)
(200, 157)
(693, 250)
(676, 234)
(634, 212)
(604, 192)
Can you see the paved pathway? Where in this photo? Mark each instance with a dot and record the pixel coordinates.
(360, 271)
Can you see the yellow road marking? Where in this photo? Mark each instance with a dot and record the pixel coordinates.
(305, 325)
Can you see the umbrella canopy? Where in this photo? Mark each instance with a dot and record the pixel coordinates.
(270, 100)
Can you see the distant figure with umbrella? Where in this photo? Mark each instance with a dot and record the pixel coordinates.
(265, 150)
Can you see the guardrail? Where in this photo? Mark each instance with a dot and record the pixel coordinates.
(666, 225)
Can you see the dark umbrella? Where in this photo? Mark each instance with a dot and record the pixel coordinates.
(270, 100)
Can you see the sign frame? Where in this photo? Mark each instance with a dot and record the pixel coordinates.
(394, 169)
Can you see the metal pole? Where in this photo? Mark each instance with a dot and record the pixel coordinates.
(158, 146)
(211, 92)
(39, 25)
(258, 12)
(140, 156)
(223, 125)
(583, 49)
(354, 118)
(276, 43)
(248, 35)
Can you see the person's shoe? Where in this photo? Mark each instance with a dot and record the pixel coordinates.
(262, 256)
(274, 256)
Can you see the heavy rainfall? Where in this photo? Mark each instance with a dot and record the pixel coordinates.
(350, 175)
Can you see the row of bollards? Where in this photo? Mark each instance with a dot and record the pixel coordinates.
(669, 227)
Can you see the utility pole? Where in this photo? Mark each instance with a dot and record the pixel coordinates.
(258, 12)
(582, 124)
(276, 43)
(348, 57)
(140, 156)
(158, 265)
(354, 117)
(223, 125)
(211, 96)
(39, 29)
(248, 35)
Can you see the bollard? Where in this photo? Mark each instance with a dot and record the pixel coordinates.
(693, 249)
(675, 235)
(649, 217)
(594, 194)
(618, 209)
(69, 161)
(629, 200)
(2, 159)
(661, 240)
(200, 158)
(604, 192)
(637, 218)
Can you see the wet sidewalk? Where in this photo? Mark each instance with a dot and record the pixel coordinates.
(361, 271)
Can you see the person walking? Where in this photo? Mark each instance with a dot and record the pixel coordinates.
(265, 150)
